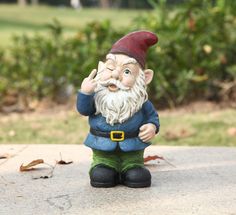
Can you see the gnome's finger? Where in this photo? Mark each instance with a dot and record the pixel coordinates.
(146, 139)
(142, 133)
(143, 127)
(92, 74)
(144, 136)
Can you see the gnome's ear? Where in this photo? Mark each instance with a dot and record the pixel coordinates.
(148, 76)
(101, 66)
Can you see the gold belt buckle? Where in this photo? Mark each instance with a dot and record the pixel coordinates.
(121, 133)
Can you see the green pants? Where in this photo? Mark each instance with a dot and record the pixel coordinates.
(119, 160)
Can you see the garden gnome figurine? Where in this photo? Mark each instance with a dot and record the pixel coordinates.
(122, 120)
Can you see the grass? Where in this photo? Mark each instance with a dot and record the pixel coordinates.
(198, 129)
(177, 128)
(32, 19)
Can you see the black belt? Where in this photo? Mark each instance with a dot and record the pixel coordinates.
(114, 135)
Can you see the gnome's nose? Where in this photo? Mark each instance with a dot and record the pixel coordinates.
(115, 74)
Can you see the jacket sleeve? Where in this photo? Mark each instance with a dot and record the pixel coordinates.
(85, 104)
(151, 115)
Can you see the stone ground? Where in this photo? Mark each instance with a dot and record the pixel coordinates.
(202, 182)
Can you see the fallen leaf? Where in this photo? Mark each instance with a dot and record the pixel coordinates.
(45, 175)
(31, 164)
(62, 162)
(5, 156)
(156, 157)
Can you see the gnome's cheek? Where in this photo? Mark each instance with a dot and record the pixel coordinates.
(105, 76)
(128, 82)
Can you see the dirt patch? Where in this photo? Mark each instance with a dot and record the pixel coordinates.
(48, 108)
(199, 106)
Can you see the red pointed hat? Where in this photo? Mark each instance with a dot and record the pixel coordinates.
(135, 45)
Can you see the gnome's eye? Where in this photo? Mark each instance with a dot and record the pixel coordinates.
(127, 72)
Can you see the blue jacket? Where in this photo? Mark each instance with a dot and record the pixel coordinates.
(147, 114)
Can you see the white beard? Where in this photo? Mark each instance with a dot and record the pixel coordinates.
(119, 106)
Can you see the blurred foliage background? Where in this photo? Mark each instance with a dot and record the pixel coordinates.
(47, 48)
(194, 59)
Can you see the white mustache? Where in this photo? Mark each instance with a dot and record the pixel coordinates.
(115, 82)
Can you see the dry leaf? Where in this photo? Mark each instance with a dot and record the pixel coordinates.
(31, 164)
(156, 157)
(45, 175)
(5, 156)
(62, 162)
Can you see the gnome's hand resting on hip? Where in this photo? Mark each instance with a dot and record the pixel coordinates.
(147, 132)
(89, 84)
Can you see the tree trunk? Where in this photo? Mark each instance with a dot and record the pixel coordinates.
(104, 3)
(131, 4)
(22, 2)
(35, 2)
(76, 4)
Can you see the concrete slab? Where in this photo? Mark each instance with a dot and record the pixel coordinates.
(203, 182)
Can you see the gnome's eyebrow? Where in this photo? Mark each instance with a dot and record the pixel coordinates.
(130, 60)
(111, 57)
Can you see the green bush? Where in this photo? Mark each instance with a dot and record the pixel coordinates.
(196, 52)
(40, 66)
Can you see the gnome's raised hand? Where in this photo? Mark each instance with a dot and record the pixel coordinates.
(89, 84)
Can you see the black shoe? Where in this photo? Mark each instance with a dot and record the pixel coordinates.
(103, 176)
(136, 177)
